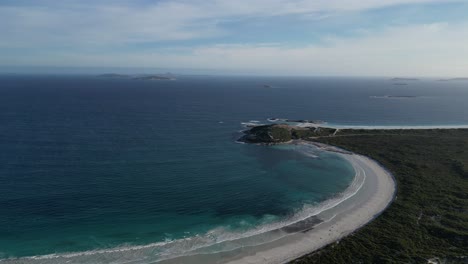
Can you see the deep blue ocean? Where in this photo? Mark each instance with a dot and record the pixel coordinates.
(89, 163)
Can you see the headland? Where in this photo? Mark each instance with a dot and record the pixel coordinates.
(425, 223)
(374, 190)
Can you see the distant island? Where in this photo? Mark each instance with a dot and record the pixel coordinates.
(393, 96)
(281, 133)
(453, 79)
(404, 79)
(113, 75)
(152, 77)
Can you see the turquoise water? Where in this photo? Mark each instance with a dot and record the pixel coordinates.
(93, 164)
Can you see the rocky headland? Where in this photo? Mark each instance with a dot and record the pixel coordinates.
(282, 133)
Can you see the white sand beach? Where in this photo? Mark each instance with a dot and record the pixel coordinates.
(372, 198)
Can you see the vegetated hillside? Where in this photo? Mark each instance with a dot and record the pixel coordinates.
(279, 133)
(429, 218)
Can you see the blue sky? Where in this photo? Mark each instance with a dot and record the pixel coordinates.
(288, 37)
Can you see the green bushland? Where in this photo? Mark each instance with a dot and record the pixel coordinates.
(306, 133)
(429, 217)
(278, 133)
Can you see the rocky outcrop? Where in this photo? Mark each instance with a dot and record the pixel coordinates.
(280, 133)
(268, 134)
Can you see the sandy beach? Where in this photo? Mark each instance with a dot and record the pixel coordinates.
(369, 194)
(372, 198)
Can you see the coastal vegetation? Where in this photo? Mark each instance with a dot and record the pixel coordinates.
(428, 220)
(279, 133)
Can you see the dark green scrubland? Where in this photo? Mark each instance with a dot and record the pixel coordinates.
(428, 219)
(279, 133)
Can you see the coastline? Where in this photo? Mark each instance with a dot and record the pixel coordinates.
(335, 221)
(372, 199)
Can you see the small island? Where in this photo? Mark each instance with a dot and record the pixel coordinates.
(399, 79)
(393, 96)
(154, 78)
(113, 75)
(282, 133)
(454, 80)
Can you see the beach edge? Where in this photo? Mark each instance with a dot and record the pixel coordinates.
(380, 191)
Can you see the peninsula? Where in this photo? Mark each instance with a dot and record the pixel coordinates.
(426, 222)
(282, 133)
(393, 96)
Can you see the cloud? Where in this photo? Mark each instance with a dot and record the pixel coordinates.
(438, 49)
(71, 33)
(77, 23)
(428, 49)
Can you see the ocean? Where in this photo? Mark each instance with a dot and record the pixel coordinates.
(92, 165)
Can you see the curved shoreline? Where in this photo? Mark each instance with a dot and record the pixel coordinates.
(325, 227)
(373, 197)
(376, 195)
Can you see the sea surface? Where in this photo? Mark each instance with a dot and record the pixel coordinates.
(90, 164)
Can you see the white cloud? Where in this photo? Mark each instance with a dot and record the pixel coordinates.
(76, 23)
(437, 49)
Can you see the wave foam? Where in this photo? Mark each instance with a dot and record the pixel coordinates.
(216, 240)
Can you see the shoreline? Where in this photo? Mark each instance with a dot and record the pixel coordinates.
(371, 198)
(376, 194)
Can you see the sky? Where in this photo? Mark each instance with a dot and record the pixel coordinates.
(266, 37)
